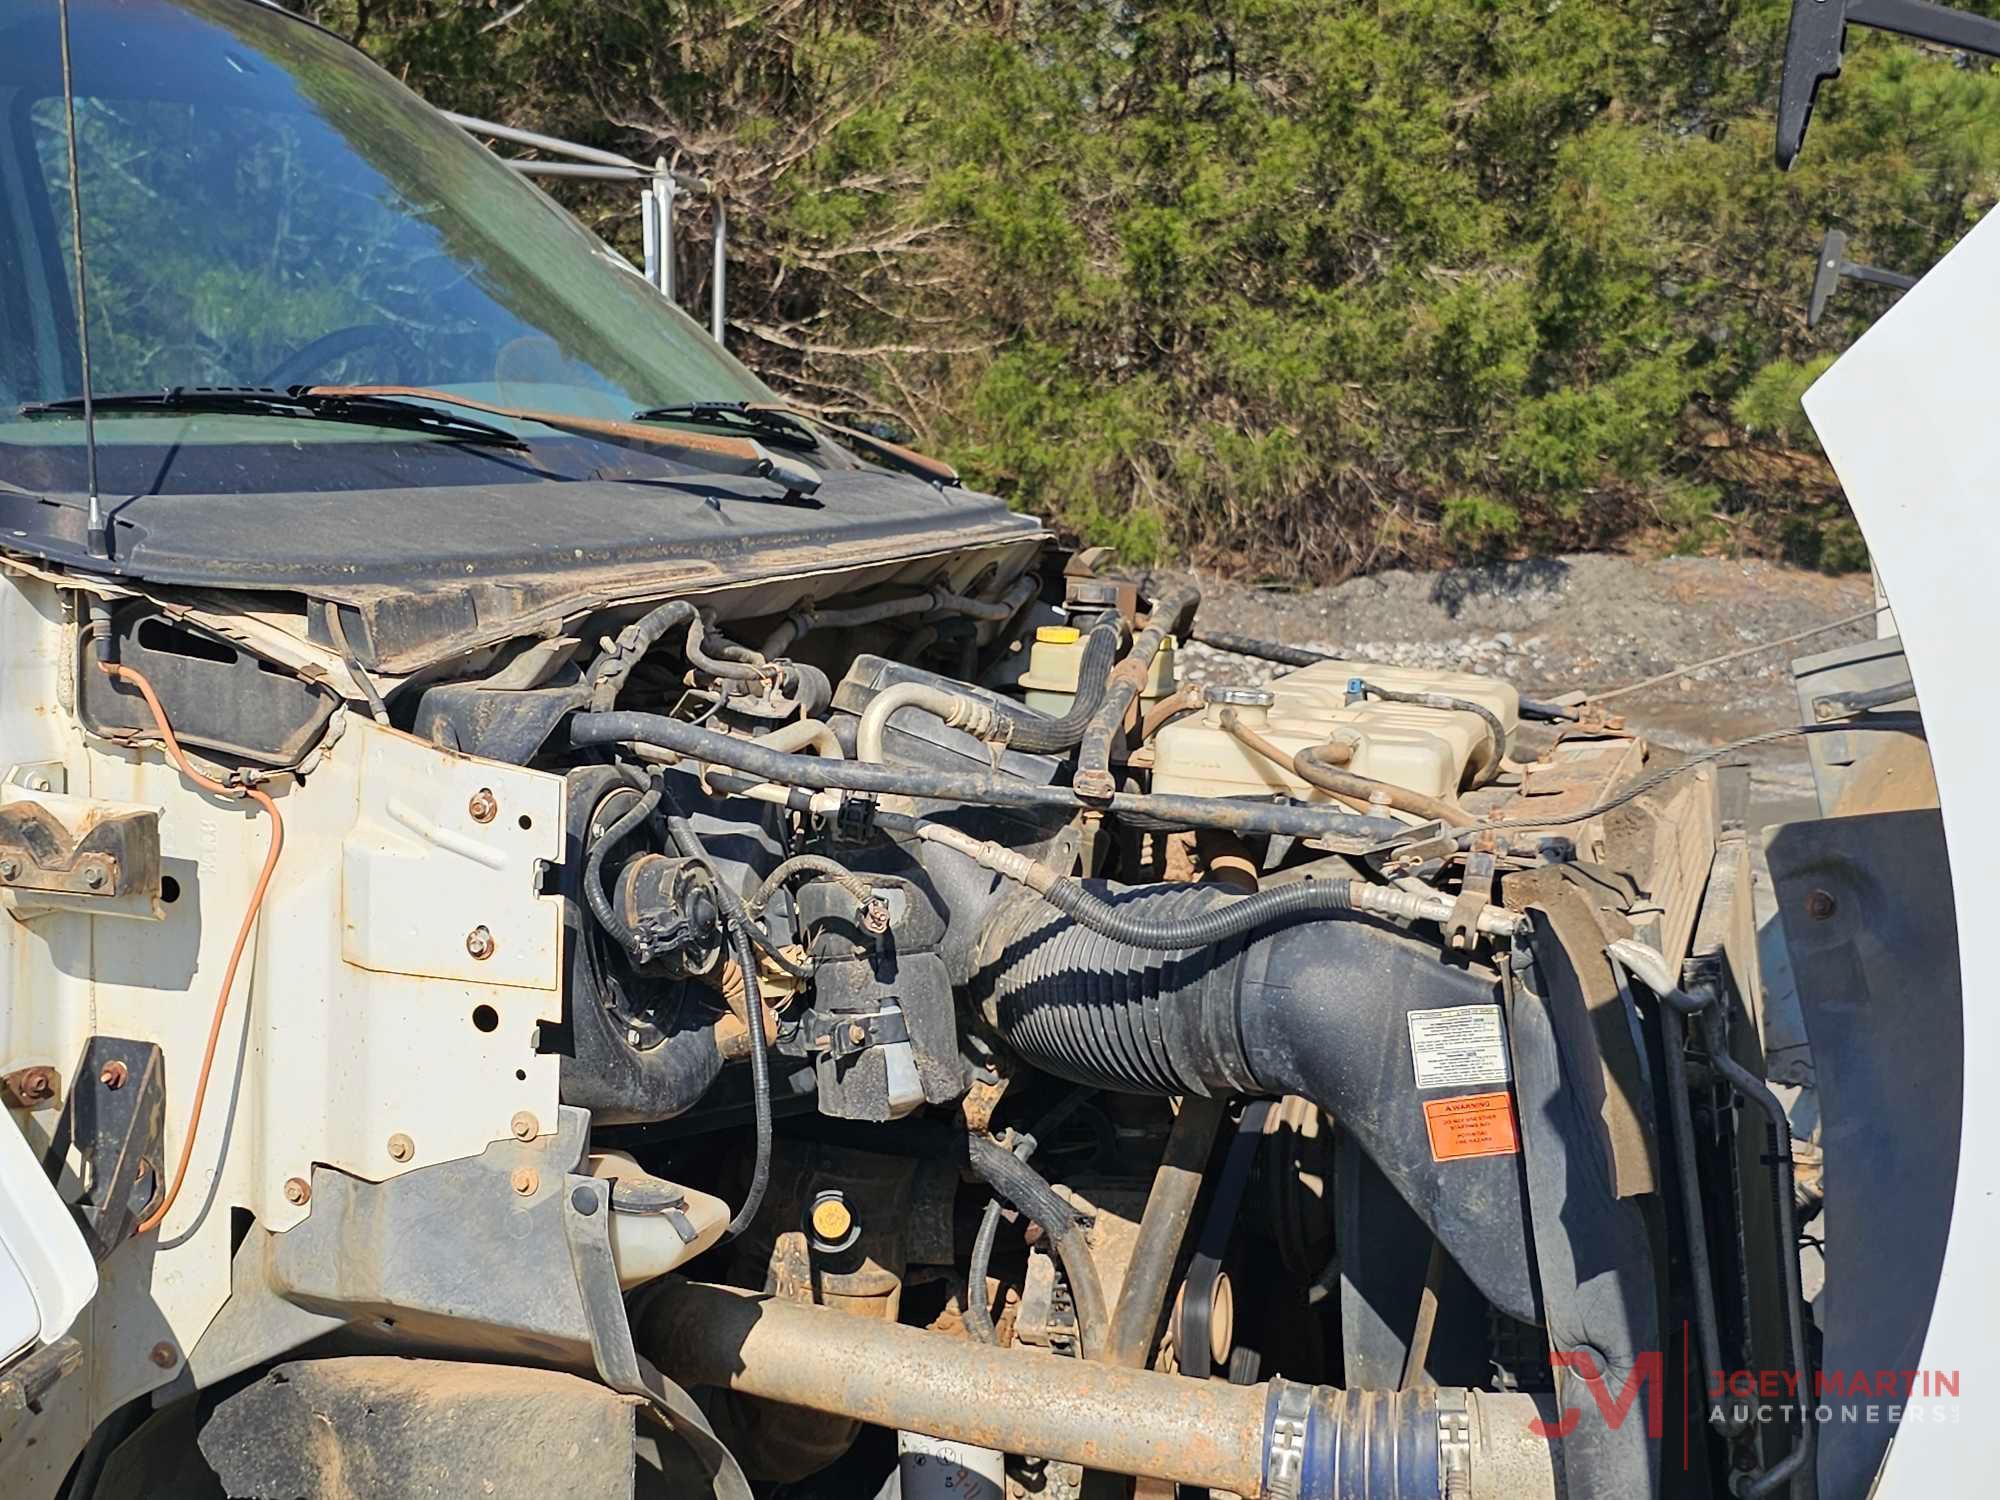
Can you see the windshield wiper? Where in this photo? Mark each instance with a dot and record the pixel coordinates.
(783, 420)
(299, 402)
(717, 455)
(739, 415)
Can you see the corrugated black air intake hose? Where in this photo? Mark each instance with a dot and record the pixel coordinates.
(1316, 1008)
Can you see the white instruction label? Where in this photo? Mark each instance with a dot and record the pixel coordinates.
(1458, 1046)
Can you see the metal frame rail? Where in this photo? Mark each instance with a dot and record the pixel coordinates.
(656, 202)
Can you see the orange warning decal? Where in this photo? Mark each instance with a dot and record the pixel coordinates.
(1471, 1125)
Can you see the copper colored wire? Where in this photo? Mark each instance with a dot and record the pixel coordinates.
(215, 789)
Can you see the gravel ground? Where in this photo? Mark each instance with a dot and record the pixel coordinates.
(1554, 625)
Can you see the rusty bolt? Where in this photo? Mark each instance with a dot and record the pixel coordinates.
(484, 806)
(9, 868)
(401, 1147)
(297, 1190)
(93, 876)
(857, 1033)
(32, 1085)
(164, 1356)
(525, 1126)
(875, 916)
(479, 942)
(525, 1181)
(1819, 905)
(113, 1076)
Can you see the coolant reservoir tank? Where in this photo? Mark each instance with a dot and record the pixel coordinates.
(1430, 750)
(656, 1225)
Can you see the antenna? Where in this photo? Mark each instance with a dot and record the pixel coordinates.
(94, 533)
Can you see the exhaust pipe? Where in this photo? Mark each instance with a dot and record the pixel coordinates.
(1277, 1440)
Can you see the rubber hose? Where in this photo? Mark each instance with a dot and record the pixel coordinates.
(1495, 730)
(1039, 736)
(608, 915)
(978, 1315)
(1025, 1188)
(689, 843)
(726, 661)
(615, 663)
(1250, 645)
(983, 788)
(760, 1084)
(1311, 767)
(1172, 604)
(1218, 923)
(817, 864)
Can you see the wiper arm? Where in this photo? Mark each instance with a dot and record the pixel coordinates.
(296, 403)
(717, 455)
(736, 414)
(791, 419)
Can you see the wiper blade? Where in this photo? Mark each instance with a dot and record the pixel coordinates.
(298, 402)
(737, 414)
(791, 419)
(718, 455)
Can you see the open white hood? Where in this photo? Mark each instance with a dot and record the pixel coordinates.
(1910, 417)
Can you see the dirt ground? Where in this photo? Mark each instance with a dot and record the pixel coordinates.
(1553, 625)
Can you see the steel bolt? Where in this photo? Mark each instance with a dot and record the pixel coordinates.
(484, 806)
(165, 1356)
(38, 782)
(401, 1147)
(525, 1181)
(93, 876)
(113, 1076)
(479, 942)
(297, 1190)
(857, 1033)
(1819, 905)
(9, 869)
(875, 916)
(525, 1126)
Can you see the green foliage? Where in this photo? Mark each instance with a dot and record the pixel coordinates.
(1318, 284)
(1768, 402)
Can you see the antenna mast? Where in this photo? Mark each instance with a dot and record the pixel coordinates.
(94, 535)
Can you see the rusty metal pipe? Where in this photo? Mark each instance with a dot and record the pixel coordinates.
(1277, 1439)
(1125, 1421)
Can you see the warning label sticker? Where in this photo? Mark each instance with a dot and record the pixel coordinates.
(1471, 1125)
(1458, 1047)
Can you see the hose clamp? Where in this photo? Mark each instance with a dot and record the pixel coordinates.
(1454, 1419)
(1286, 1426)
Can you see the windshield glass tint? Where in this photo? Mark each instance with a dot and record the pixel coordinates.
(262, 206)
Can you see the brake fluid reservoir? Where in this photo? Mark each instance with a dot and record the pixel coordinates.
(1428, 750)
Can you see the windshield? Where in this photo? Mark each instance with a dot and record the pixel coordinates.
(264, 207)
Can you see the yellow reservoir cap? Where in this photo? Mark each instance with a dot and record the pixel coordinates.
(831, 1219)
(1058, 635)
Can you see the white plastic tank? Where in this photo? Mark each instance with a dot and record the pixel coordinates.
(1428, 750)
